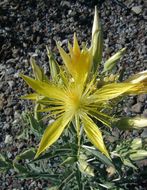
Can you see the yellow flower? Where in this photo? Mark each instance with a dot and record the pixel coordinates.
(79, 95)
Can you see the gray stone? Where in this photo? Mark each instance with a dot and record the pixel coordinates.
(8, 139)
(8, 111)
(137, 9)
(11, 83)
(142, 98)
(144, 133)
(65, 4)
(137, 108)
(145, 113)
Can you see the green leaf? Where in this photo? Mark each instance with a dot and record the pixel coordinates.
(28, 154)
(139, 155)
(127, 123)
(5, 164)
(136, 143)
(111, 62)
(85, 168)
(99, 155)
(53, 188)
(52, 178)
(54, 153)
(36, 129)
(69, 160)
(127, 162)
(19, 168)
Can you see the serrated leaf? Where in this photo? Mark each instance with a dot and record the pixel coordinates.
(5, 164)
(69, 160)
(99, 155)
(28, 154)
(127, 162)
(36, 129)
(19, 168)
(136, 143)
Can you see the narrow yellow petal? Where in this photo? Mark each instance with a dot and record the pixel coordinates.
(37, 70)
(53, 132)
(45, 89)
(94, 134)
(111, 91)
(65, 57)
(139, 77)
(70, 49)
(53, 65)
(76, 48)
(32, 96)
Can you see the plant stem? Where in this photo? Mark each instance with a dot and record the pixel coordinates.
(78, 177)
(78, 133)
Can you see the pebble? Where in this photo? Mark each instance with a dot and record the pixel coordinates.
(144, 133)
(8, 111)
(142, 98)
(8, 139)
(145, 113)
(11, 84)
(137, 9)
(137, 108)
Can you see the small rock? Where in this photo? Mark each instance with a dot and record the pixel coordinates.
(65, 4)
(8, 139)
(145, 113)
(10, 71)
(17, 115)
(6, 126)
(11, 83)
(1, 103)
(144, 133)
(137, 107)
(8, 111)
(9, 155)
(142, 98)
(137, 9)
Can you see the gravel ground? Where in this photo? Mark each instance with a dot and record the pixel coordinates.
(27, 26)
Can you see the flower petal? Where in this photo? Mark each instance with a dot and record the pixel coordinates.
(53, 132)
(76, 48)
(45, 89)
(94, 134)
(112, 90)
(66, 58)
(139, 77)
(32, 96)
(36, 70)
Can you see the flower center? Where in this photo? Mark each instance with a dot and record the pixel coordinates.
(73, 102)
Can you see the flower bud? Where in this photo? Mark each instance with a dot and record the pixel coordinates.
(130, 123)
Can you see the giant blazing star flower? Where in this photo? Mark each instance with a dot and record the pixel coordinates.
(79, 94)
